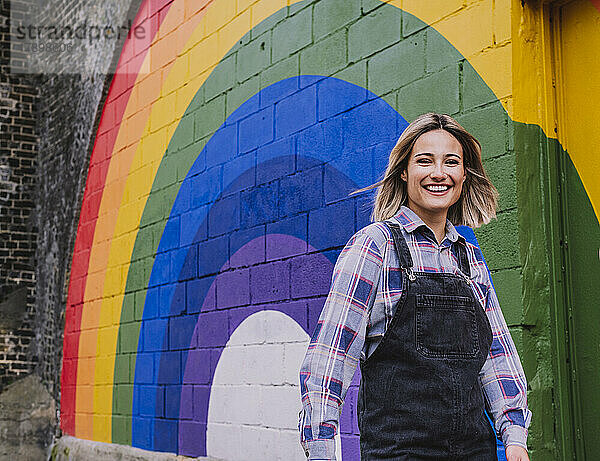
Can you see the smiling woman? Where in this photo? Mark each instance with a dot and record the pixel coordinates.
(412, 301)
(432, 135)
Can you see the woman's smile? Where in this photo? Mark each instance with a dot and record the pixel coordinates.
(437, 189)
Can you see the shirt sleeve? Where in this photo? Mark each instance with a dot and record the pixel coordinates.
(503, 380)
(334, 350)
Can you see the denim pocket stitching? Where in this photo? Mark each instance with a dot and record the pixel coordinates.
(427, 302)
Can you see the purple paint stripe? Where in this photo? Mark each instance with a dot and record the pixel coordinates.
(283, 285)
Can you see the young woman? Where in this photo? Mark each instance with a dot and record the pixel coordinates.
(412, 302)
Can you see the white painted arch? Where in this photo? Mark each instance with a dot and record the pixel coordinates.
(255, 395)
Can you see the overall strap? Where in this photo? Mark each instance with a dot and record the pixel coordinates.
(463, 258)
(402, 250)
(405, 258)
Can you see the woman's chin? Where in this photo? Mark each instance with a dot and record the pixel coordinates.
(436, 206)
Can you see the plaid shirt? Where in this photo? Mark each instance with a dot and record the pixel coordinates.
(365, 288)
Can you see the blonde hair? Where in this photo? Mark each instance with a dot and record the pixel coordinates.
(478, 200)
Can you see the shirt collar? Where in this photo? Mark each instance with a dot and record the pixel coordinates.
(411, 221)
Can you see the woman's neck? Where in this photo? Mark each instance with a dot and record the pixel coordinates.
(435, 221)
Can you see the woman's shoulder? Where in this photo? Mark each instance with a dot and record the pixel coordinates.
(479, 269)
(378, 232)
(474, 253)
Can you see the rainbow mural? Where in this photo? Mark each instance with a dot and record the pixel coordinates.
(228, 144)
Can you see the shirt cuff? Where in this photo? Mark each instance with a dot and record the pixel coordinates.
(515, 435)
(321, 450)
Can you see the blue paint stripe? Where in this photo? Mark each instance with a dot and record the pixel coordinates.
(333, 140)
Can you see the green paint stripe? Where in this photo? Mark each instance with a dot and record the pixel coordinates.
(547, 351)
(420, 91)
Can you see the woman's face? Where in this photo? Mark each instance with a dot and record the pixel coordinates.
(435, 174)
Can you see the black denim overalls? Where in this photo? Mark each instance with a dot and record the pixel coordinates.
(420, 396)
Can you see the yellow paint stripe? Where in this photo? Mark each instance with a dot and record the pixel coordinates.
(492, 57)
(478, 31)
(534, 90)
(578, 130)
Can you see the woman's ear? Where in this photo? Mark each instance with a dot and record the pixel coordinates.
(403, 175)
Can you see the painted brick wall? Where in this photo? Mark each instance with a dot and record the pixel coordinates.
(183, 212)
(212, 189)
(217, 168)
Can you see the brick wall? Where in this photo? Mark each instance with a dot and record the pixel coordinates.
(18, 224)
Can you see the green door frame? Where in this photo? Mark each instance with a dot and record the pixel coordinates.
(567, 410)
(561, 272)
(542, 222)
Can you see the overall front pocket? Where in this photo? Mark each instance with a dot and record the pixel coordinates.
(446, 326)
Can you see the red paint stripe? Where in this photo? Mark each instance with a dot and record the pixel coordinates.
(130, 61)
(596, 4)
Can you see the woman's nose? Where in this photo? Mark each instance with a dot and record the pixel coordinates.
(438, 172)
